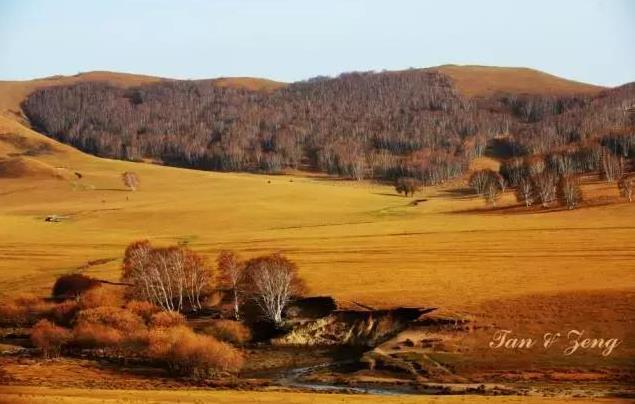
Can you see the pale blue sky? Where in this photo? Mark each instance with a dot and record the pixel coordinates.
(592, 41)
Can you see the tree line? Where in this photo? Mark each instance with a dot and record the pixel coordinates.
(359, 125)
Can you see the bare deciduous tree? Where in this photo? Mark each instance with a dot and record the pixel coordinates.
(545, 186)
(130, 180)
(230, 271)
(274, 281)
(612, 166)
(569, 192)
(173, 278)
(625, 185)
(525, 191)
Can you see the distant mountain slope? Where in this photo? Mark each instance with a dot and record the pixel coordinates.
(248, 83)
(489, 80)
(12, 93)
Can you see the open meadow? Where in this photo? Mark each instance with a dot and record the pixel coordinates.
(355, 241)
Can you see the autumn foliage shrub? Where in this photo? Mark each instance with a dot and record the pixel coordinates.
(106, 326)
(64, 313)
(101, 297)
(49, 338)
(23, 310)
(167, 319)
(186, 353)
(229, 331)
(143, 309)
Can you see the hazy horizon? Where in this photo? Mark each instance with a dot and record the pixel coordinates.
(288, 41)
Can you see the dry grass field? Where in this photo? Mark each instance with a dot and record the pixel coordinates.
(31, 395)
(488, 80)
(356, 241)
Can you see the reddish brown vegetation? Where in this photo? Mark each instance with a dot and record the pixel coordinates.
(24, 310)
(105, 326)
(101, 296)
(49, 338)
(233, 332)
(167, 319)
(189, 354)
(143, 309)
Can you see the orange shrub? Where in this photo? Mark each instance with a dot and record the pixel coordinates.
(64, 313)
(100, 297)
(23, 310)
(167, 319)
(106, 326)
(115, 317)
(186, 353)
(13, 315)
(97, 335)
(143, 309)
(49, 337)
(229, 331)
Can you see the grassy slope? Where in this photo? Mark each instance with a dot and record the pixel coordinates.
(356, 241)
(488, 80)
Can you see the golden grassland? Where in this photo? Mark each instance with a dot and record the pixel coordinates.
(33, 395)
(356, 241)
(489, 80)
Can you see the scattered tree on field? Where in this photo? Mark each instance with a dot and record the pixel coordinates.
(130, 180)
(489, 184)
(407, 186)
(545, 187)
(569, 192)
(230, 271)
(274, 281)
(525, 191)
(625, 185)
(612, 166)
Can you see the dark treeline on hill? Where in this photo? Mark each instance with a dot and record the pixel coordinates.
(359, 125)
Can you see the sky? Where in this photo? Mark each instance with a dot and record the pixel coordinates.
(289, 40)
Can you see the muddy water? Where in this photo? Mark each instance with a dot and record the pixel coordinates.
(293, 378)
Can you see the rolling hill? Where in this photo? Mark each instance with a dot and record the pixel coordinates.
(13, 93)
(485, 81)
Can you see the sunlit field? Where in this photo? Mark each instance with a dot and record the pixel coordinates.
(356, 241)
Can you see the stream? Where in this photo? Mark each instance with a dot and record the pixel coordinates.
(293, 378)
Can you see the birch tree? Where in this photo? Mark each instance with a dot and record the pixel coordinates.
(625, 185)
(130, 180)
(231, 271)
(274, 281)
(173, 278)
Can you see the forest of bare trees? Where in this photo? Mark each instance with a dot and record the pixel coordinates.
(359, 125)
